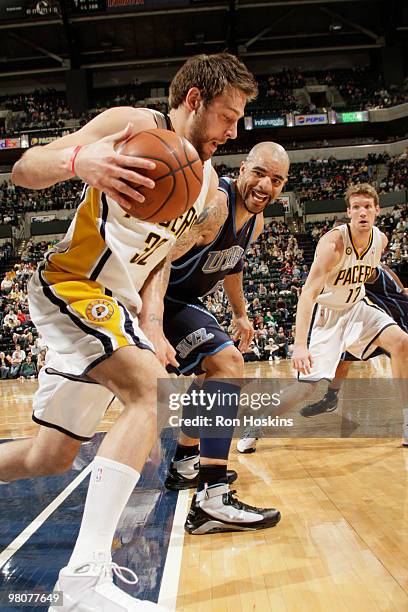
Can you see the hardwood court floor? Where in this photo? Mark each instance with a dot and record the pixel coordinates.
(342, 543)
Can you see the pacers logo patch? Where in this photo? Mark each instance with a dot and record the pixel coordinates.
(99, 311)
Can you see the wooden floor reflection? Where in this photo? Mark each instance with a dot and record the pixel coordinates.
(342, 543)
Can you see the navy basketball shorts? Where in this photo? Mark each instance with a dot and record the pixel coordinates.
(194, 333)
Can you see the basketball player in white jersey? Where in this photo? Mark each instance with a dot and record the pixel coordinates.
(87, 301)
(333, 310)
(333, 315)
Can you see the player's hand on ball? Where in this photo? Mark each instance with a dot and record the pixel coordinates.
(101, 165)
(244, 332)
(302, 360)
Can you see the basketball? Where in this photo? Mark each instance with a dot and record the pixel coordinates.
(178, 175)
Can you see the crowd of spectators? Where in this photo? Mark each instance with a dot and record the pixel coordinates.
(41, 109)
(22, 351)
(360, 88)
(325, 179)
(397, 174)
(363, 88)
(48, 109)
(328, 178)
(16, 201)
(317, 179)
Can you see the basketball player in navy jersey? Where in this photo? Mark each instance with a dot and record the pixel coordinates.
(386, 290)
(215, 258)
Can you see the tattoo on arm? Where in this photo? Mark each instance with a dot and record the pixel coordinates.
(210, 220)
(183, 244)
(152, 318)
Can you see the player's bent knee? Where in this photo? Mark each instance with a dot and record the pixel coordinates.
(400, 347)
(228, 363)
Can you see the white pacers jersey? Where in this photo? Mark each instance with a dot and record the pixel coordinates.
(106, 245)
(345, 285)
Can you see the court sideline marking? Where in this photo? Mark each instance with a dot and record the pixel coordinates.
(22, 538)
(172, 568)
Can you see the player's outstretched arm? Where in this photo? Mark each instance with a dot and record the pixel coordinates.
(243, 328)
(234, 288)
(328, 253)
(208, 222)
(97, 162)
(151, 314)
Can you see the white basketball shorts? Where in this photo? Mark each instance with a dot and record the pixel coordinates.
(334, 331)
(81, 324)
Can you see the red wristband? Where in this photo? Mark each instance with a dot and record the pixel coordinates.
(73, 158)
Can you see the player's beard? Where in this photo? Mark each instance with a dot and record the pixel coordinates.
(198, 135)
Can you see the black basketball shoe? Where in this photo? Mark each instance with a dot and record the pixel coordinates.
(215, 510)
(327, 404)
(183, 474)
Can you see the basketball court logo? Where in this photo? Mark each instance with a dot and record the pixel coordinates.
(99, 310)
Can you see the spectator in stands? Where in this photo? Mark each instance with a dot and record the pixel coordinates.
(28, 369)
(5, 364)
(269, 318)
(10, 321)
(270, 349)
(17, 359)
(281, 341)
(6, 284)
(304, 273)
(291, 341)
(252, 353)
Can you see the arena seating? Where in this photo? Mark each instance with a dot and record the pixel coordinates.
(358, 89)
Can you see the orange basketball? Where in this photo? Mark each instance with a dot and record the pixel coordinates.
(178, 175)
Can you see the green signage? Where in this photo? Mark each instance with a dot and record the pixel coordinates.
(352, 117)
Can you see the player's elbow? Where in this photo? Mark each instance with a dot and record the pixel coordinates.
(17, 176)
(23, 176)
(309, 295)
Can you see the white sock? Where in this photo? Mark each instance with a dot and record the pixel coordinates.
(405, 426)
(109, 490)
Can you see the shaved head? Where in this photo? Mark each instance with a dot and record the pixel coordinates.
(263, 175)
(270, 151)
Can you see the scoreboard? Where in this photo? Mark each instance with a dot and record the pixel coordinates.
(28, 9)
(81, 7)
(19, 10)
(86, 7)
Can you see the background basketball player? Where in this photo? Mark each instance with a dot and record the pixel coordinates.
(333, 315)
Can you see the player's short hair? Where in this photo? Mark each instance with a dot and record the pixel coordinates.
(212, 74)
(362, 189)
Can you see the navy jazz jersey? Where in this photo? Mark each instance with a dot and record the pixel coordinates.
(202, 270)
(388, 295)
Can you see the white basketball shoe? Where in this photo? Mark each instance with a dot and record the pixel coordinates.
(247, 443)
(89, 588)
